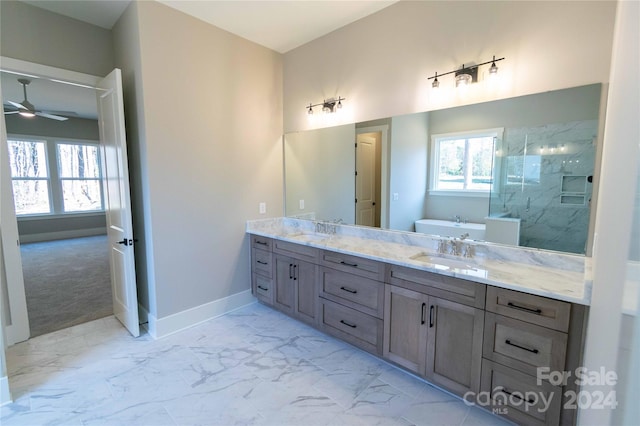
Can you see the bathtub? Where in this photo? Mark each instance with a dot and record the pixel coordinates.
(447, 228)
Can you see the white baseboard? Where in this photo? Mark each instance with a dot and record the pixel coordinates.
(5, 395)
(61, 235)
(162, 327)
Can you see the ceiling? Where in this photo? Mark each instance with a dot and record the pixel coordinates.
(277, 25)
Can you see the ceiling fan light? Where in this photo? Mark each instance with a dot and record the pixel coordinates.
(27, 114)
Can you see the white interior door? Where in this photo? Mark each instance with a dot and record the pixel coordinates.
(118, 200)
(366, 180)
(14, 302)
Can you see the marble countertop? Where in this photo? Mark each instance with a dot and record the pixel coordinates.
(548, 274)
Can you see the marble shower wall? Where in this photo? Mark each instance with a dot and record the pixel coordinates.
(542, 176)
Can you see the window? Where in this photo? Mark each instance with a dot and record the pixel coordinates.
(79, 172)
(55, 177)
(30, 176)
(462, 163)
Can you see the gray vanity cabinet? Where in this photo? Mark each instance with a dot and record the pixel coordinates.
(295, 280)
(454, 345)
(262, 268)
(435, 338)
(406, 328)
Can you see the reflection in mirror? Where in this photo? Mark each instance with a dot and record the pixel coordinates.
(541, 171)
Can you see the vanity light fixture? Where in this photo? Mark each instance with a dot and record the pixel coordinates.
(328, 105)
(467, 74)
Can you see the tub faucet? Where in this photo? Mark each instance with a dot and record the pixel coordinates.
(457, 218)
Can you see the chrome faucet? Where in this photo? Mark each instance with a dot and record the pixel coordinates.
(443, 246)
(455, 247)
(457, 218)
(464, 236)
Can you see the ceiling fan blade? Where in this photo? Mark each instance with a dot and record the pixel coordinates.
(65, 113)
(17, 105)
(11, 112)
(51, 116)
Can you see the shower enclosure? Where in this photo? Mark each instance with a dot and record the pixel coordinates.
(543, 175)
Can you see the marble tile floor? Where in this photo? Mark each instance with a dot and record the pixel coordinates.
(253, 366)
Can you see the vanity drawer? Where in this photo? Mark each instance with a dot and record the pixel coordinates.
(297, 251)
(539, 310)
(262, 243)
(262, 288)
(261, 262)
(518, 397)
(450, 288)
(522, 345)
(354, 265)
(353, 326)
(361, 293)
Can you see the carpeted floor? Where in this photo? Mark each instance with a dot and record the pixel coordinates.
(66, 282)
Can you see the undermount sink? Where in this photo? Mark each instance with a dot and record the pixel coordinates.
(308, 236)
(444, 263)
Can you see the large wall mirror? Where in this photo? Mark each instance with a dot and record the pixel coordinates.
(526, 162)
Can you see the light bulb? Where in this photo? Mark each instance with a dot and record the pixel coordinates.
(463, 80)
(27, 114)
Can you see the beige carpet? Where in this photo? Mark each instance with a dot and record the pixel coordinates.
(66, 282)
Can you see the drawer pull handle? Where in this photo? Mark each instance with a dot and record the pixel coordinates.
(422, 314)
(348, 324)
(508, 342)
(295, 272)
(431, 312)
(264, 243)
(291, 271)
(354, 265)
(263, 288)
(261, 262)
(348, 290)
(515, 395)
(537, 311)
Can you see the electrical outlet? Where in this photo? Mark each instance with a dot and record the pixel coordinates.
(263, 208)
(301, 204)
(396, 196)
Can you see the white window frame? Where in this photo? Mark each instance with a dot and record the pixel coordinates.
(56, 202)
(435, 160)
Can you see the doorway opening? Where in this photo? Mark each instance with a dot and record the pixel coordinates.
(55, 168)
(368, 178)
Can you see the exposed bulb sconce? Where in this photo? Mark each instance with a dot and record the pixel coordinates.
(435, 84)
(467, 74)
(328, 105)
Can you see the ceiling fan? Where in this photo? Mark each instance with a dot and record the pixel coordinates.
(27, 109)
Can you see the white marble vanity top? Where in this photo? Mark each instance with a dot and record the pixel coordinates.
(560, 276)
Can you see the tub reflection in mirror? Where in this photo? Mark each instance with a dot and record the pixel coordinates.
(542, 170)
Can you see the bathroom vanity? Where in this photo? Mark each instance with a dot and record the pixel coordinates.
(478, 326)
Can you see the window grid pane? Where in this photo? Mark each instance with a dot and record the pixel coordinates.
(81, 195)
(28, 159)
(78, 161)
(31, 196)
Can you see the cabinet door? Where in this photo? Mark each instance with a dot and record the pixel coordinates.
(285, 286)
(304, 276)
(405, 328)
(454, 346)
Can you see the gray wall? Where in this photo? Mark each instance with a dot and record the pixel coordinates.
(37, 35)
(74, 128)
(408, 170)
(320, 169)
(204, 168)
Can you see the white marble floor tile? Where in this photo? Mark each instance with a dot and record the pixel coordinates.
(254, 366)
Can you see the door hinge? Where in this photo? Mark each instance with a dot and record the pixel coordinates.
(356, 200)
(356, 173)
